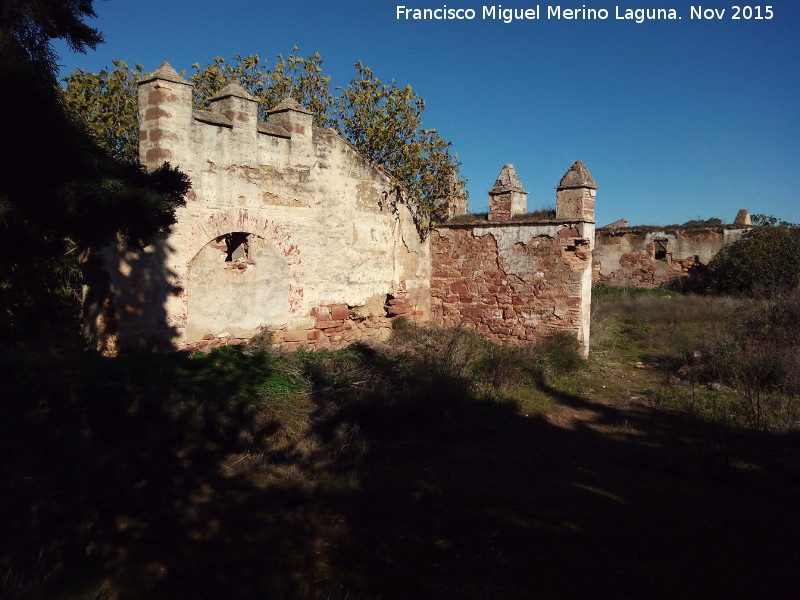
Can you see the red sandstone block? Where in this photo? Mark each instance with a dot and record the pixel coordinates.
(291, 346)
(459, 287)
(500, 330)
(296, 335)
(153, 113)
(328, 324)
(157, 154)
(339, 312)
(313, 334)
(160, 95)
(209, 336)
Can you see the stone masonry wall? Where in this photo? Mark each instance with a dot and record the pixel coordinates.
(513, 283)
(289, 230)
(653, 257)
(286, 226)
(334, 326)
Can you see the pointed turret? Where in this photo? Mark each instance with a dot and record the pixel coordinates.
(165, 73)
(575, 194)
(290, 115)
(577, 176)
(232, 89)
(507, 181)
(507, 198)
(238, 105)
(457, 200)
(743, 218)
(165, 116)
(288, 104)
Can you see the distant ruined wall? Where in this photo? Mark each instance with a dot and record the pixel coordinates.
(512, 279)
(653, 257)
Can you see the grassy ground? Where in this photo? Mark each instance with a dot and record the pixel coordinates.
(440, 468)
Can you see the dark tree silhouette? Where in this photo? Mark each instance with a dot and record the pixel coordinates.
(61, 197)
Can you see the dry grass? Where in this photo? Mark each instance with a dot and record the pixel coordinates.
(730, 360)
(440, 466)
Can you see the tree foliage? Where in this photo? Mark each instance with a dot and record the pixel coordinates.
(61, 196)
(105, 103)
(698, 222)
(765, 261)
(293, 76)
(382, 120)
(29, 27)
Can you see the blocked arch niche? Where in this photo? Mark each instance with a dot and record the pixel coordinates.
(236, 283)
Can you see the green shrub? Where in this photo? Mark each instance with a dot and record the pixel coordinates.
(560, 352)
(607, 293)
(442, 352)
(491, 370)
(764, 262)
(758, 355)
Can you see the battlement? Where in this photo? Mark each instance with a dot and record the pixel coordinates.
(287, 226)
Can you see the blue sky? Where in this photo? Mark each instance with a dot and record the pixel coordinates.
(674, 118)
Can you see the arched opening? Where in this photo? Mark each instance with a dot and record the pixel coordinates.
(237, 283)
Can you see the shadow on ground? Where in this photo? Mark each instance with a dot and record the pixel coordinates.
(159, 479)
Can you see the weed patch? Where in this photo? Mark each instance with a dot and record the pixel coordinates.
(438, 464)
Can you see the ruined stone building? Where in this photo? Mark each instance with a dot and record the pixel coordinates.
(651, 257)
(288, 227)
(514, 276)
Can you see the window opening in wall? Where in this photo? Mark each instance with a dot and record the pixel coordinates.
(237, 247)
(662, 249)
